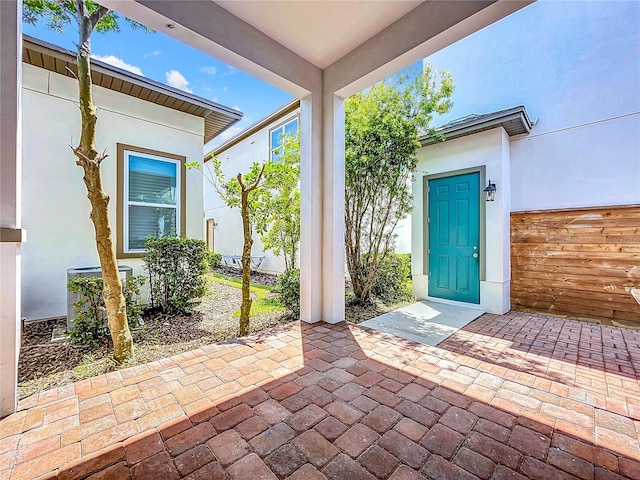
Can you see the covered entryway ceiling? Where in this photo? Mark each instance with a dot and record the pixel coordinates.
(321, 32)
(290, 44)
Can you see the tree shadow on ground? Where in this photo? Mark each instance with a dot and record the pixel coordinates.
(338, 402)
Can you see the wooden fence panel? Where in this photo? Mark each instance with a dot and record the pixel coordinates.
(582, 262)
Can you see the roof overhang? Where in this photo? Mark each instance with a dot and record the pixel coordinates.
(217, 118)
(515, 121)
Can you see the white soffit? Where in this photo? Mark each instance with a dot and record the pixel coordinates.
(319, 31)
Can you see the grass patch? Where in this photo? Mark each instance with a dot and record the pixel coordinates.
(264, 303)
(90, 366)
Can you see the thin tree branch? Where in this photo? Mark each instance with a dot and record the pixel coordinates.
(72, 73)
(98, 15)
(257, 182)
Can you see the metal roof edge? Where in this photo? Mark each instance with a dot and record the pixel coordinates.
(481, 123)
(115, 72)
(251, 129)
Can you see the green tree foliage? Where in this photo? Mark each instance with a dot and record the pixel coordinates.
(243, 192)
(87, 16)
(278, 210)
(382, 128)
(268, 197)
(61, 13)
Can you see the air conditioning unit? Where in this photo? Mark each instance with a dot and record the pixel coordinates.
(125, 272)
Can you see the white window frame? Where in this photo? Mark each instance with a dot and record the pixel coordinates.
(281, 128)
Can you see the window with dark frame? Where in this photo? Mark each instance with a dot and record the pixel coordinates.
(150, 197)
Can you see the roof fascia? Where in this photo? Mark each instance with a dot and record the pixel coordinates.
(481, 124)
(115, 72)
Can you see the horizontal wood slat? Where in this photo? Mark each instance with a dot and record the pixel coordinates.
(582, 262)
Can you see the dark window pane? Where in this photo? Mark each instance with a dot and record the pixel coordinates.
(150, 221)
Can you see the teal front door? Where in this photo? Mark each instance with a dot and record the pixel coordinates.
(454, 238)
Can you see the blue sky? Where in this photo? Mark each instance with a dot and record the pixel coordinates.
(583, 32)
(166, 60)
(487, 76)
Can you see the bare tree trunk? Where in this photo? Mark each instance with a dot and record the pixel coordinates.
(89, 159)
(245, 308)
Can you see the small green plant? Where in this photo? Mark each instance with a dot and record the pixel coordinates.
(90, 325)
(390, 284)
(214, 259)
(289, 290)
(176, 269)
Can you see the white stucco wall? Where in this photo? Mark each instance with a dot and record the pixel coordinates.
(55, 207)
(575, 66)
(597, 164)
(488, 153)
(228, 237)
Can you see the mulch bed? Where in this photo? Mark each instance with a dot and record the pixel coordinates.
(44, 365)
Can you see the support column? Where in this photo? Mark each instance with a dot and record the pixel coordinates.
(311, 208)
(322, 208)
(333, 209)
(11, 235)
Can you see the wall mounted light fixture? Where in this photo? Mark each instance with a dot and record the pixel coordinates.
(490, 192)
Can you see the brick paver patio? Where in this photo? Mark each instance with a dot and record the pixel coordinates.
(509, 397)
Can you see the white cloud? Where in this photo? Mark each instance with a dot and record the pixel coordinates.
(209, 70)
(177, 80)
(236, 107)
(155, 53)
(118, 62)
(230, 71)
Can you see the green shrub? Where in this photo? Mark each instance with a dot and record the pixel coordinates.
(176, 269)
(390, 283)
(214, 259)
(90, 322)
(405, 258)
(289, 290)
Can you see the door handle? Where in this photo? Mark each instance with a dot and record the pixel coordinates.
(475, 255)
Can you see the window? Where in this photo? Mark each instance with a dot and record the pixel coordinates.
(275, 140)
(150, 197)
